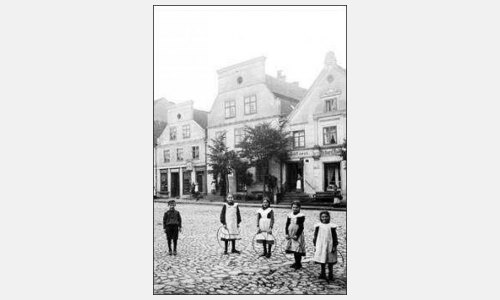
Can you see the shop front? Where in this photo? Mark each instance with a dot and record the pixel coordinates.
(294, 176)
(316, 168)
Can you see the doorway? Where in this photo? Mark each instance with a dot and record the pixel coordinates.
(200, 180)
(186, 183)
(294, 171)
(332, 174)
(174, 182)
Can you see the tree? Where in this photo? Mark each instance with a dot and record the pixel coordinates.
(263, 144)
(240, 167)
(220, 159)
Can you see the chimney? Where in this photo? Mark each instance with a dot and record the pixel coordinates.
(330, 59)
(281, 76)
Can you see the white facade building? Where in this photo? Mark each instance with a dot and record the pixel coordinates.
(318, 126)
(180, 154)
(247, 96)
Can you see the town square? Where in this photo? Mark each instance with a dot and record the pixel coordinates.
(249, 152)
(200, 267)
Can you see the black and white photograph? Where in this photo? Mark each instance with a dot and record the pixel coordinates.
(250, 150)
(247, 190)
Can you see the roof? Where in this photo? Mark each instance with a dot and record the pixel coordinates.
(200, 117)
(286, 89)
(160, 107)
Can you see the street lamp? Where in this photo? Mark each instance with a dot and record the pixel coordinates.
(316, 152)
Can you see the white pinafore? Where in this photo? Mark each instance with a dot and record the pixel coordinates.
(265, 226)
(325, 252)
(232, 222)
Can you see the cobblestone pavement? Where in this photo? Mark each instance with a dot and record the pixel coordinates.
(201, 268)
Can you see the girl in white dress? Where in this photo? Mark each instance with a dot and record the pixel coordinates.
(294, 232)
(325, 241)
(230, 217)
(265, 222)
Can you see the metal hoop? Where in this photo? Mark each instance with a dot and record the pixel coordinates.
(219, 234)
(283, 250)
(267, 234)
(342, 264)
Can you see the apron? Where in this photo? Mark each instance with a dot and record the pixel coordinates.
(231, 223)
(265, 227)
(299, 245)
(325, 253)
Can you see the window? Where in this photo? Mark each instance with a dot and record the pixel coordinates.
(230, 109)
(196, 152)
(166, 156)
(250, 105)
(329, 135)
(186, 131)
(330, 104)
(173, 133)
(164, 181)
(299, 139)
(180, 154)
(238, 135)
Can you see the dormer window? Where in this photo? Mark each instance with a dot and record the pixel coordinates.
(330, 104)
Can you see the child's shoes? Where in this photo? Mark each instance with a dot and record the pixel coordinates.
(169, 252)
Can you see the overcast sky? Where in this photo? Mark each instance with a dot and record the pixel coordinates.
(192, 43)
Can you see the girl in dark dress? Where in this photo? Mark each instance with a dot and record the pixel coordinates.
(265, 223)
(294, 232)
(325, 241)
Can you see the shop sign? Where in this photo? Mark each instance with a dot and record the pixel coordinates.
(300, 153)
(331, 152)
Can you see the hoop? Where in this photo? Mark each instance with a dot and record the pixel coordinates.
(266, 236)
(290, 256)
(220, 233)
(342, 262)
(223, 233)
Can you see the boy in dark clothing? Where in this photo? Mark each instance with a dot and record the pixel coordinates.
(172, 224)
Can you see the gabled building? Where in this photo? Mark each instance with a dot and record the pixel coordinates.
(180, 153)
(247, 96)
(318, 126)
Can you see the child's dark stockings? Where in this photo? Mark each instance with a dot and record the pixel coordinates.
(169, 240)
